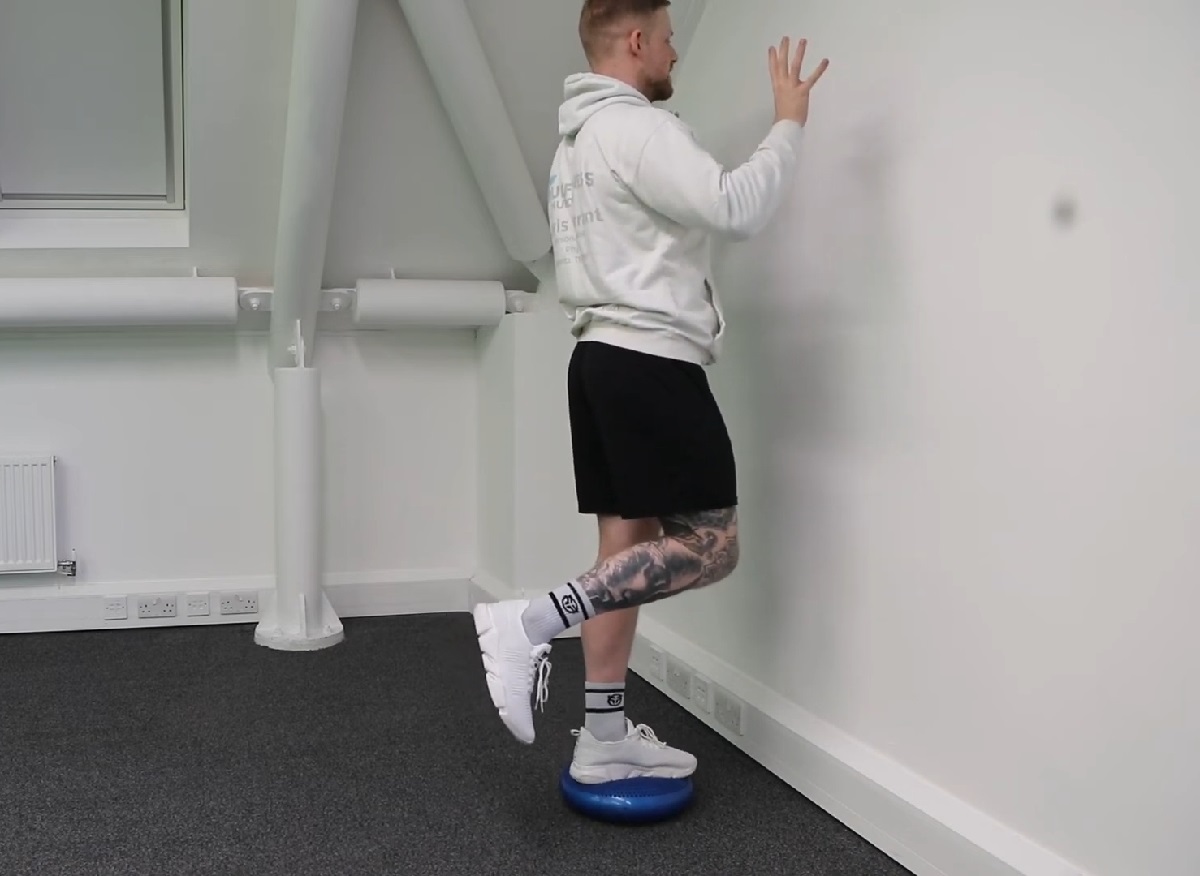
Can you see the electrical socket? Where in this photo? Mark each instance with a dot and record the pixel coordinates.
(197, 605)
(679, 678)
(239, 603)
(727, 709)
(702, 693)
(116, 608)
(156, 606)
(656, 663)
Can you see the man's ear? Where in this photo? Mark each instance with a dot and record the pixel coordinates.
(636, 41)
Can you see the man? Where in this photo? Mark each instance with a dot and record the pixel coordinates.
(633, 204)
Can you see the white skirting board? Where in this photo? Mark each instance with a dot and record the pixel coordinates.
(918, 824)
(485, 588)
(71, 608)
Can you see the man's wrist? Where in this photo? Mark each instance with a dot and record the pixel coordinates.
(786, 134)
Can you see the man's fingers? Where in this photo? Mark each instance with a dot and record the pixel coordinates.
(817, 74)
(773, 67)
(801, 45)
(785, 70)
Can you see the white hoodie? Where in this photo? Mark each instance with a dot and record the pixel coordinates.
(633, 204)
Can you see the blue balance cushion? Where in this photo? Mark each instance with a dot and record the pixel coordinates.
(633, 801)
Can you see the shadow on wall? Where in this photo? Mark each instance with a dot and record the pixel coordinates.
(814, 354)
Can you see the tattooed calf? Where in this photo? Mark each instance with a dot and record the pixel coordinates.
(696, 550)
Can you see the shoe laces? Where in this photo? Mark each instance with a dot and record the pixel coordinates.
(648, 736)
(539, 675)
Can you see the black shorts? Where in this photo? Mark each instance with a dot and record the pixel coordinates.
(647, 436)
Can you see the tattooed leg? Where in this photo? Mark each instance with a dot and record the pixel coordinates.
(515, 635)
(696, 550)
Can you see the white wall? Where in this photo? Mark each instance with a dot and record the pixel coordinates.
(967, 435)
(531, 536)
(165, 446)
(496, 452)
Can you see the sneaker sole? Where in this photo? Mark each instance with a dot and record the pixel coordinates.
(598, 775)
(489, 645)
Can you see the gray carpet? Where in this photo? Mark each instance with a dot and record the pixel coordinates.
(194, 751)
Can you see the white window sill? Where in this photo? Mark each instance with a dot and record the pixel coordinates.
(95, 229)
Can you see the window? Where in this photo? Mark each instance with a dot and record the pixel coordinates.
(91, 114)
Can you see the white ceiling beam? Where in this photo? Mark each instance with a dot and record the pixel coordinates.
(454, 56)
(322, 49)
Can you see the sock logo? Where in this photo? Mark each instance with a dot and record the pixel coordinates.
(603, 703)
(570, 604)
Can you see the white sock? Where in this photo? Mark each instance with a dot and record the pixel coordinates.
(556, 612)
(604, 710)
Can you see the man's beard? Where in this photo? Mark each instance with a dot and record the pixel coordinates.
(658, 89)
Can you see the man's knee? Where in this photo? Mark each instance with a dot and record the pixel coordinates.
(710, 535)
(735, 551)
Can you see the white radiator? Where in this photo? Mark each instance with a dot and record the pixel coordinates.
(28, 537)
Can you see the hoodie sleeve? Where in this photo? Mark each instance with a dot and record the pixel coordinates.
(677, 177)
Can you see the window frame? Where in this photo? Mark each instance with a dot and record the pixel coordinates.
(123, 207)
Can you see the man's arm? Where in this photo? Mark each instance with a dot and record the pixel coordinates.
(682, 181)
(679, 179)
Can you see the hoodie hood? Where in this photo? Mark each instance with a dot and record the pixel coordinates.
(585, 94)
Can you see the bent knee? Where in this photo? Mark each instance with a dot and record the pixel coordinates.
(733, 551)
(728, 553)
(713, 535)
(726, 532)
(727, 547)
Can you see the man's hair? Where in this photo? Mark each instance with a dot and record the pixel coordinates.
(599, 19)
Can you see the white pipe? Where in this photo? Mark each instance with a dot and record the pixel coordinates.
(454, 56)
(299, 617)
(429, 303)
(322, 48)
(113, 302)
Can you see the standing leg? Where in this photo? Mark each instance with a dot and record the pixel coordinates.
(608, 638)
(610, 746)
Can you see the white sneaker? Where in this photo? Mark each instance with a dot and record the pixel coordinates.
(515, 668)
(639, 754)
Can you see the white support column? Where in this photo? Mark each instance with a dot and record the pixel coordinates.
(300, 617)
